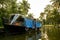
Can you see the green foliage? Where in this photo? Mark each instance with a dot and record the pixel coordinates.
(42, 17)
(52, 13)
(56, 3)
(24, 7)
(30, 15)
(53, 17)
(11, 7)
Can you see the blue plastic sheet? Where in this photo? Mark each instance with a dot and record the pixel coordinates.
(38, 24)
(28, 23)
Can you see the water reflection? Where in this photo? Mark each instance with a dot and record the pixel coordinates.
(26, 36)
(35, 36)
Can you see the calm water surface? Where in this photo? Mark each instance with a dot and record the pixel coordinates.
(24, 36)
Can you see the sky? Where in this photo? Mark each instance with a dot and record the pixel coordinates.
(37, 6)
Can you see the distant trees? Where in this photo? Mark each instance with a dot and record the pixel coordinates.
(42, 17)
(53, 16)
(49, 12)
(56, 3)
(30, 15)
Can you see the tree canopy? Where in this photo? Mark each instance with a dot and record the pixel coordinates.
(53, 16)
(11, 7)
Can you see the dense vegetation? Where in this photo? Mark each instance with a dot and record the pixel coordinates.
(52, 20)
(52, 13)
(11, 7)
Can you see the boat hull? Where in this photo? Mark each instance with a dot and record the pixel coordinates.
(14, 29)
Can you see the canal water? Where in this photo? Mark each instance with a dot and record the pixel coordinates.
(23, 36)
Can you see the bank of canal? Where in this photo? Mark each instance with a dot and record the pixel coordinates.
(52, 32)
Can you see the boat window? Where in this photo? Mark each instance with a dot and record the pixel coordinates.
(19, 21)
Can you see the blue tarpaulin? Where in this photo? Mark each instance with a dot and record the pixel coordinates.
(38, 24)
(28, 23)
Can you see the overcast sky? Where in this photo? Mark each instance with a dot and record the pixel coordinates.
(37, 6)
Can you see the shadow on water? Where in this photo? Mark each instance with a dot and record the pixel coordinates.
(25, 36)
